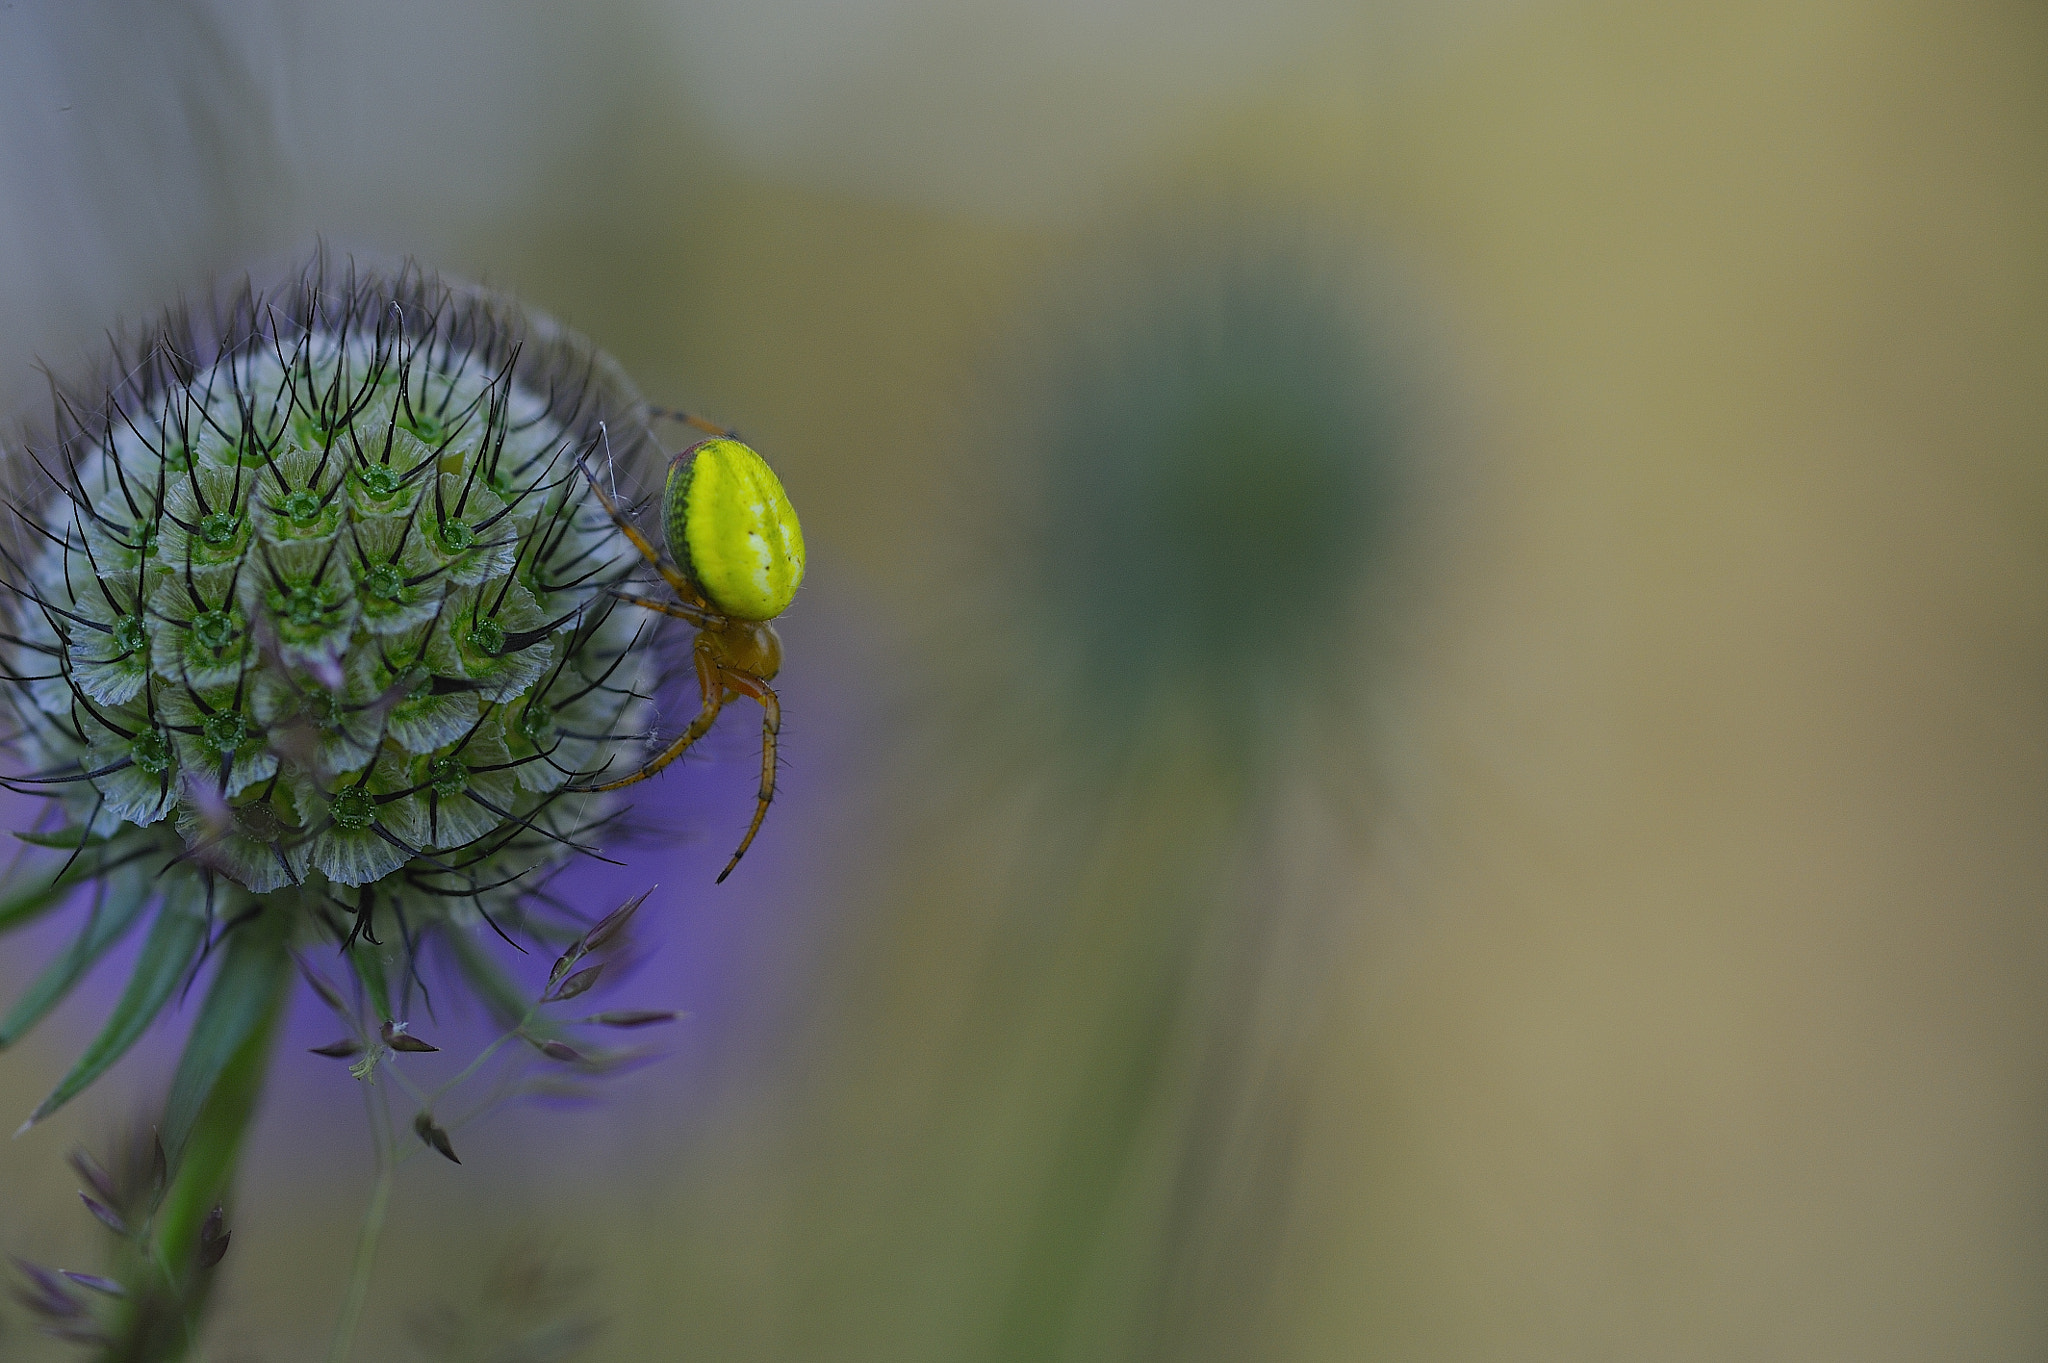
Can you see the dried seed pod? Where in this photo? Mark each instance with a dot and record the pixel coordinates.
(104, 1286)
(424, 1127)
(576, 984)
(213, 1240)
(106, 1216)
(633, 1017)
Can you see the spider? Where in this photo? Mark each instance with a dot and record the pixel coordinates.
(739, 558)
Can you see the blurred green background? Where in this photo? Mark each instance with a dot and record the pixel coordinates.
(1418, 726)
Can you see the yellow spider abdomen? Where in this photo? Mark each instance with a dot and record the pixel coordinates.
(732, 529)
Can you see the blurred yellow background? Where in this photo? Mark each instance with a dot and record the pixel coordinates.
(1641, 958)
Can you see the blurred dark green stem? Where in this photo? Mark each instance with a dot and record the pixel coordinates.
(216, 1143)
(205, 1169)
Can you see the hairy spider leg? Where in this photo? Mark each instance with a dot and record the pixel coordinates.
(669, 572)
(696, 423)
(711, 686)
(714, 680)
(771, 724)
(681, 610)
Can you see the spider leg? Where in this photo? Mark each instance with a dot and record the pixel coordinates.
(681, 610)
(711, 683)
(771, 724)
(694, 422)
(631, 532)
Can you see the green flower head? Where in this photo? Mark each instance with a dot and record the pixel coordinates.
(310, 623)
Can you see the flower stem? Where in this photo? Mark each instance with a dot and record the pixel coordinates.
(372, 1230)
(366, 1257)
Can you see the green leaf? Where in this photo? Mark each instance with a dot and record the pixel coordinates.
(173, 941)
(27, 904)
(244, 994)
(119, 907)
(64, 838)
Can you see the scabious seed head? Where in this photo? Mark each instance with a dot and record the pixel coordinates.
(308, 592)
